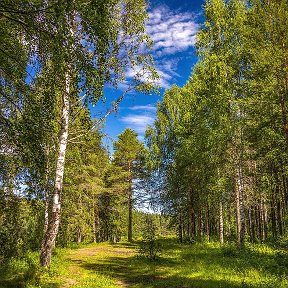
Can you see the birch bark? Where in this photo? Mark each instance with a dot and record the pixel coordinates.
(221, 225)
(53, 226)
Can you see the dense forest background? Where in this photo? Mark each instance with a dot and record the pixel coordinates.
(214, 165)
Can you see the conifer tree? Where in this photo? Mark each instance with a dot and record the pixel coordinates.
(127, 155)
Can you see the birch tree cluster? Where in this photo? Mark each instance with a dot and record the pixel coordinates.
(219, 144)
(56, 56)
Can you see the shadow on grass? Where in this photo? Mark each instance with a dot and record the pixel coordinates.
(142, 273)
(178, 272)
(22, 284)
(243, 260)
(127, 245)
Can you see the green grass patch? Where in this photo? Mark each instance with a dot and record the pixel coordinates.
(119, 265)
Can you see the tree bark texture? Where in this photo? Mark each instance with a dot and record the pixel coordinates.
(240, 206)
(130, 215)
(53, 226)
(221, 223)
(130, 204)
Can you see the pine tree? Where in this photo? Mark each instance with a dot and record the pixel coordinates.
(127, 155)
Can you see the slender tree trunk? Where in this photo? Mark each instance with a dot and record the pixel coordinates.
(263, 222)
(130, 204)
(273, 218)
(207, 222)
(46, 195)
(265, 214)
(240, 206)
(130, 215)
(258, 221)
(95, 220)
(252, 223)
(279, 218)
(79, 235)
(229, 222)
(53, 226)
(180, 230)
(221, 223)
(278, 204)
(192, 231)
(199, 228)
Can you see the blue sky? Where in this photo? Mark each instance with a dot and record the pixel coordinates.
(172, 26)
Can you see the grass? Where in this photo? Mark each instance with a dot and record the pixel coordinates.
(118, 265)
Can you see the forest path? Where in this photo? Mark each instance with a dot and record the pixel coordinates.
(201, 265)
(104, 265)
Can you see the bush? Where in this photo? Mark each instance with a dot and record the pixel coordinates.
(149, 247)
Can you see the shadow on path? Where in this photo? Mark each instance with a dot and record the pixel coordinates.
(139, 272)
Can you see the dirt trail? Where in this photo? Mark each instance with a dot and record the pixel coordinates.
(85, 263)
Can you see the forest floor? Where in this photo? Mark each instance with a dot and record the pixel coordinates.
(179, 266)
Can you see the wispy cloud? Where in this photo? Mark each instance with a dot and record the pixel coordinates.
(166, 68)
(148, 107)
(171, 31)
(138, 122)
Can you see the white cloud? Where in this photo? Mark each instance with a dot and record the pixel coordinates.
(148, 107)
(138, 122)
(171, 31)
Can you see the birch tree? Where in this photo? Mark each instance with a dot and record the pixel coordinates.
(96, 43)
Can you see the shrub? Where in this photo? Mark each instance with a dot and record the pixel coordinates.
(149, 246)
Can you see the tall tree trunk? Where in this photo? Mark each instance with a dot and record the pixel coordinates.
(129, 215)
(53, 226)
(95, 220)
(265, 214)
(263, 222)
(46, 197)
(79, 235)
(207, 224)
(130, 204)
(199, 224)
(229, 221)
(252, 215)
(180, 230)
(192, 220)
(240, 206)
(221, 223)
(258, 221)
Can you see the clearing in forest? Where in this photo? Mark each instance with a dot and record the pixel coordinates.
(195, 265)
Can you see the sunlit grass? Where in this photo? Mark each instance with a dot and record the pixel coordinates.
(194, 265)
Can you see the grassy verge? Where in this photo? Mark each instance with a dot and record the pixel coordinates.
(118, 265)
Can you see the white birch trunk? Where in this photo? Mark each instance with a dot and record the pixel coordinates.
(221, 224)
(53, 226)
(46, 193)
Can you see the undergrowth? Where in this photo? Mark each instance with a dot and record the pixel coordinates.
(180, 265)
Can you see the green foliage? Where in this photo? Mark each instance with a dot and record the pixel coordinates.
(20, 226)
(47, 37)
(230, 116)
(20, 272)
(196, 265)
(149, 246)
(128, 151)
(83, 184)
